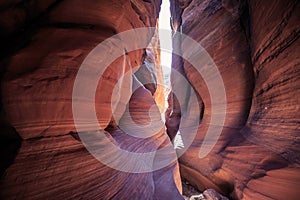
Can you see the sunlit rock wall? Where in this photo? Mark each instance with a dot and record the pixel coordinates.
(255, 46)
(43, 44)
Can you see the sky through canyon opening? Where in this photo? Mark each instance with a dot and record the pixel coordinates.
(165, 55)
(166, 60)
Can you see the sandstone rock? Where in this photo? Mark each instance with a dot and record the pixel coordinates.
(37, 76)
(52, 162)
(150, 73)
(255, 52)
(211, 194)
(254, 45)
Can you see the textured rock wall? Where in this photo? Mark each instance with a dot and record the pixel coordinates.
(151, 72)
(254, 45)
(57, 51)
(45, 43)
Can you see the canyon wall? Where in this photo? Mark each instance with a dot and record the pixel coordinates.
(255, 46)
(43, 45)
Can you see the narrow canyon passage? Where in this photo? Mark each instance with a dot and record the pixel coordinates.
(127, 99)
(165, 46)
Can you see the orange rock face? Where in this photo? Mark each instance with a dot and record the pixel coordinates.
(46, 45)
(254, 45)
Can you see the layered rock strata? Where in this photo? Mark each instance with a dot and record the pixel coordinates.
(45, 43)
(254, 45)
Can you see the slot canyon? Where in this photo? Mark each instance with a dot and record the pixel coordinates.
(86, 112)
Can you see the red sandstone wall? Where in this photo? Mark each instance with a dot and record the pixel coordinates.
(46, 42)
(255, 47)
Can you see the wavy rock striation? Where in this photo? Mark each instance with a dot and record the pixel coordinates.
(254, 45)
(45, 42)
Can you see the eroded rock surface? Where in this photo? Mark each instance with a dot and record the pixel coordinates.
(253, 43)
(46, 42)
(255, 46)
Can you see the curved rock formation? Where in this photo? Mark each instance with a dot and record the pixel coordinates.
(254, 45)
(37, 86)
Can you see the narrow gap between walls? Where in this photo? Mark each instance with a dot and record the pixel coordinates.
(165, 39)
